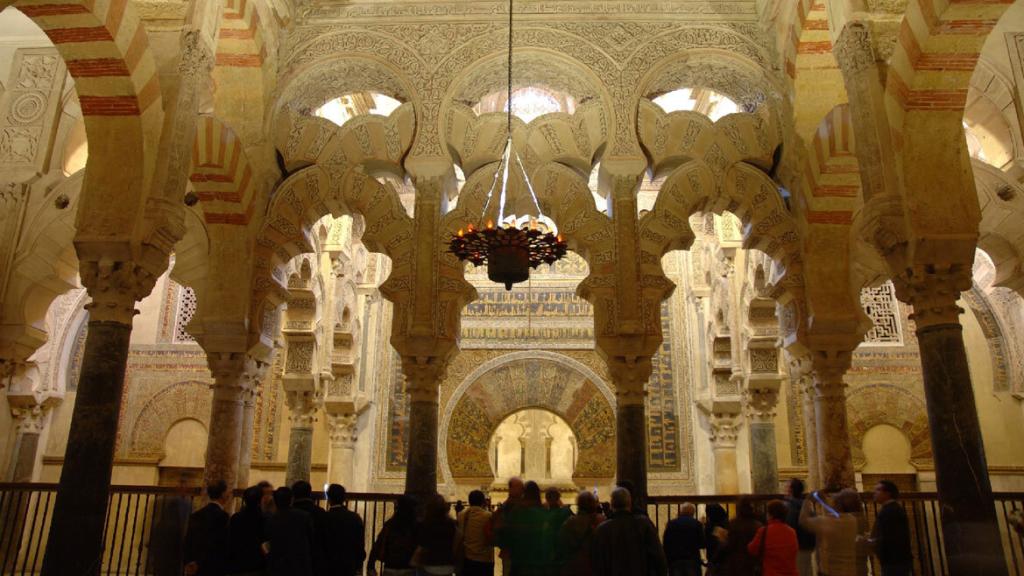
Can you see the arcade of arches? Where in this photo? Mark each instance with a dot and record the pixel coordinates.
(794, 230)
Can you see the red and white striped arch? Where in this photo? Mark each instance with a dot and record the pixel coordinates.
(240, 41)
(832, 173)
(221, 175)
(937, 49)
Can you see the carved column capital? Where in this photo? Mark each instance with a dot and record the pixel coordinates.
(237, 369)
(933, 290)
(29, 413)
(853, 50)
(423, 377)
(302, 405)
(630, 376)
(762, 403)
(114, 287)
(725, 429)
(342, 429)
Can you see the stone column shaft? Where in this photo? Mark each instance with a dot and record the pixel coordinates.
(764, 464)
(810, 433)
(630, 376)
(29, 418)
(835, 458)
(300, 441)
(969, 523)
(245, 443)
(724, 433)
(421, 467)
(76, 530)
(234, 374)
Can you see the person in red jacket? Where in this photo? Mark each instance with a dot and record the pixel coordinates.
(775, 544)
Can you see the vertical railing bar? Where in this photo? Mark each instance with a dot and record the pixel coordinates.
(122, 526)
(132, 547)
(1009, 538)
(105, 550)
(5, 505)
(143, 539)
(114, 530)
(13, 537)
(42, 527)
(31, 534)
(941, 538)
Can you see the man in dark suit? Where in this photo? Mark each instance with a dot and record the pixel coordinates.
(891, 533)
(302, 492)
(627, 544)
(206, 540)
(290, 534)
(346, 547)
(684, 539)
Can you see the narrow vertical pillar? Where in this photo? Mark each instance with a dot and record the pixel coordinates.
(224, 440)
(75, 542)
(764, 465)
(245, 443)
(806, 386)
(969, 524)
(725, 427)
(343, 441)
(835, 457)
(629, 376)
(303, 404)
(423, 381)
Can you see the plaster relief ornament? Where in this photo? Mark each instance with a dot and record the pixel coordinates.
(515, 245)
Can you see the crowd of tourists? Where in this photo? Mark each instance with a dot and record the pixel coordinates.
(283, 532)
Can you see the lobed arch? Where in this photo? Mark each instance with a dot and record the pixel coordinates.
(1002, 204)
(494, 390)
(106, 50)
(44, 266)
(145, 434)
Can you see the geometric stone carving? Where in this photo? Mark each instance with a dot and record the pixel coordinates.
(186, 309)
(881, 306)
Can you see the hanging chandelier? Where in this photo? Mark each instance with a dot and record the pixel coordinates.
(515, 245)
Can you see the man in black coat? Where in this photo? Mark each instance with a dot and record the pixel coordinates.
(206, 540)
(302, 492)
(346, 544)
(684, 539)
(891, 533)
(289, 535)
(627, 544)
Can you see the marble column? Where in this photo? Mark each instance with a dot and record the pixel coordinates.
(303, 405)
(29, 418)
(724, 433)
(806, 386)
(77, 526)
(423, 383)
(245, 442)
(969, 522)
(630, 376)
(835, 458)
(343, 441)
(764, 464)
(230, 385)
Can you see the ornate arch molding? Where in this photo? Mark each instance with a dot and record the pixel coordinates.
(567, 388)
(1002, 207)
(875, 404)
(991, 327)
(181, 400)
(994, 87)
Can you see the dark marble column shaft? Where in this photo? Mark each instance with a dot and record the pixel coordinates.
(23, 461)
(75, 542)
(421, 467)
(300, 454)
(631, 447)
(969, 524)
(764, 466)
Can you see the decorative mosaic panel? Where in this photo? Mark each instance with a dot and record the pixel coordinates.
(881, 306)
(662, 411)
(549, 316)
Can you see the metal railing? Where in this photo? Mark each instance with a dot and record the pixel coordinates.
(923, 512)
(145, 525)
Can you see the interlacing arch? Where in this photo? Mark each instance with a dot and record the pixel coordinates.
(106, 51)
(716, 167)
(337, 179)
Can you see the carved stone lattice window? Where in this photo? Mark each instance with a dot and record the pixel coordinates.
(186, 309)
(881, 306)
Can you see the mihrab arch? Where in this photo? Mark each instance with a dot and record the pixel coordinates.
(519, 380)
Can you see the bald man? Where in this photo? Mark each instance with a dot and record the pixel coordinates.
(684, 539)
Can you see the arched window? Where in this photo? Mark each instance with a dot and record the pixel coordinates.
(344, 108)
(527, 103)
(701, 100)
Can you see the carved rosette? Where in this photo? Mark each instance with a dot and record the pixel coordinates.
(114, 287)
